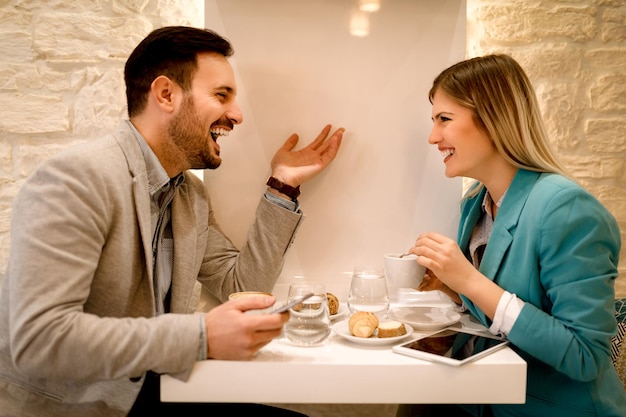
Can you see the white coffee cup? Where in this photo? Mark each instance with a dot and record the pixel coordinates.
(403, 272)
(244, 294)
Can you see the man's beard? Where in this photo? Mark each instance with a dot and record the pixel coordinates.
(189, 138)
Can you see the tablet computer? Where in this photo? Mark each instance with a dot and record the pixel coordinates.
(451, 346)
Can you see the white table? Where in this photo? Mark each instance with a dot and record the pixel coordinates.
(342, 372)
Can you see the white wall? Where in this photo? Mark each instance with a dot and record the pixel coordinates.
(298, 68)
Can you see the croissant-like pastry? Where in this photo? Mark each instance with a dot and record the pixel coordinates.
(363, 324)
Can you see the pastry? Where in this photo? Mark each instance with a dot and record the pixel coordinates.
(391, 329)
(333, 303)
(363, 324)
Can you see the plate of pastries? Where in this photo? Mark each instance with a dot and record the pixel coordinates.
(365, 328)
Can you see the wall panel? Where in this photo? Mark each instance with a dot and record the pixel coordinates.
(298, 68)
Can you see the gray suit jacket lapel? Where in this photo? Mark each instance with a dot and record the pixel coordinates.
(141, 194)
(184, 228)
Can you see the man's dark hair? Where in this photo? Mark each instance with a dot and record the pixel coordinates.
(170, 51)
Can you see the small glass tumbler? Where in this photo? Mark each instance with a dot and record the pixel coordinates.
(309, 321)
(368, 291)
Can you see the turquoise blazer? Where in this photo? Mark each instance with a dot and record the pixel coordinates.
(557, 248)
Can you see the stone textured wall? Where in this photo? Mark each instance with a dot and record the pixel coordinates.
(61, 79)
(575, 54)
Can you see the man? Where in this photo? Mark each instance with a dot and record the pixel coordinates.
(111, 241)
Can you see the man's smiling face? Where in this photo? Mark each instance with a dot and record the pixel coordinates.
(208, 111)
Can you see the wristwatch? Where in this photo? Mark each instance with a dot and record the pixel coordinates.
(281, 187)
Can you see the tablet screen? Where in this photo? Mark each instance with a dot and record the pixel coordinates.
(454, 344)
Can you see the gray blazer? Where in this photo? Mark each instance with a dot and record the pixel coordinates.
(77, 308)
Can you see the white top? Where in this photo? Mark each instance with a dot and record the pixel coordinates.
(341, 371)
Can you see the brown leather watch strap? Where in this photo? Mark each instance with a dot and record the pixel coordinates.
(281, 187)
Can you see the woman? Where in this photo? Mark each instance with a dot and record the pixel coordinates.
(536, 255)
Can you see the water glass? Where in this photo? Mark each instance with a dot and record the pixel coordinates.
(368, 291)
(309, 321)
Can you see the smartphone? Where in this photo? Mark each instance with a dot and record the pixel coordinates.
(287, 306)
(451, 346)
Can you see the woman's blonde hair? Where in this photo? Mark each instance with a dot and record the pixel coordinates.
(504, 105)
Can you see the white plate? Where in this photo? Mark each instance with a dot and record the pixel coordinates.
(341, 328)
(408, 297)
(425, 318)
(341, 311)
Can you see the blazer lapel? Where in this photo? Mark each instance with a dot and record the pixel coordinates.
(137, 167)
(472, 210)
(184, 228)
(142, 201)
(503, 228)
(506, 221)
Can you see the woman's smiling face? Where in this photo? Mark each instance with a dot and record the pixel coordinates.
(467, 151)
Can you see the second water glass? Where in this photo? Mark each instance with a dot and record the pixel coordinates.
(368, 291)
